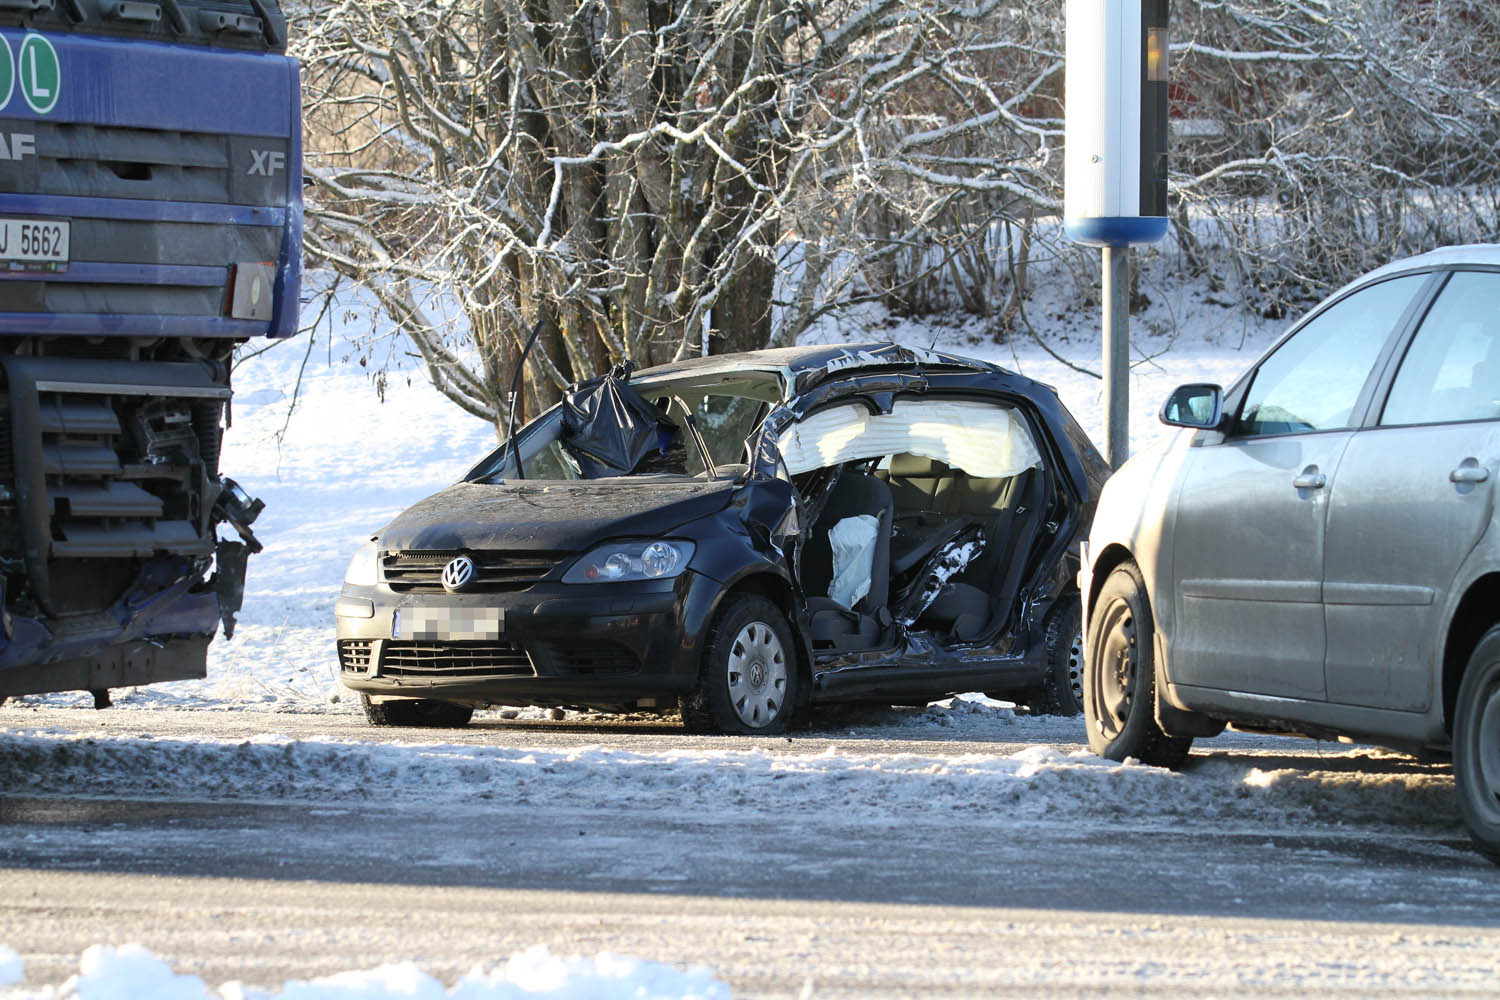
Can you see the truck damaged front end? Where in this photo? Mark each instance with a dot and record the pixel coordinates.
(150, 222)
(111, 507)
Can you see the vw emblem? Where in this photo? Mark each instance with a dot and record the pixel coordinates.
(457, 574)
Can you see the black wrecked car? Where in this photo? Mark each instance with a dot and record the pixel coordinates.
(741, 537)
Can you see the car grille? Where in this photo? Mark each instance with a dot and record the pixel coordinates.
(421, 571)
(355, 654)
(109, 161)
(589, 659)
(448, 659)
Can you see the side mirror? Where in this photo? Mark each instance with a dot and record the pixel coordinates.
(1199, 405)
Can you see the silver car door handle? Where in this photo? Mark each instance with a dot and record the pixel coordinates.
(1469, 474)
(1311, 479)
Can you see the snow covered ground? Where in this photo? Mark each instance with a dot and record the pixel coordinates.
(1028, 770)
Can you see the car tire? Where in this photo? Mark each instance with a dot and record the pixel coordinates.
(416, 712)
(1061, 689)
(748, 680)
(1476, 745)
(1119, 676)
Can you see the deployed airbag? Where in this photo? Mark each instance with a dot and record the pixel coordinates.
(984, 440)
(853, 542)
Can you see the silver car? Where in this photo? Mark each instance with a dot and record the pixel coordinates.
(1317, 551)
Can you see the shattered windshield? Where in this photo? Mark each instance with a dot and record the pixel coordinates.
(611, 428)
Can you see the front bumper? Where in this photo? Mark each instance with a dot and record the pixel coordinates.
(163, 637)
(602, 645)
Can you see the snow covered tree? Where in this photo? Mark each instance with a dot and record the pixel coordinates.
(647, 178)
(655, 178)
(1322, 138)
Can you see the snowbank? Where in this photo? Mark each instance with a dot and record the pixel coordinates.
(132, 972)
(1359, 788)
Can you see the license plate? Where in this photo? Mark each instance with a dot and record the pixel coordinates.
(34, 244)
(448, 624)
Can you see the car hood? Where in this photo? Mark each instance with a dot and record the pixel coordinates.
(551, 516)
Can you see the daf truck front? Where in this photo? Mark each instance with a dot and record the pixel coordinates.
(150, 221)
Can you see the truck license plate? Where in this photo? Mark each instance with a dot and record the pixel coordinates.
(34, 244)
(450, 624)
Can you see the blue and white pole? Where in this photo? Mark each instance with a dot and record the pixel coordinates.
(1115, 164)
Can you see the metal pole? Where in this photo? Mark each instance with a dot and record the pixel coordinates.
(1117, 354)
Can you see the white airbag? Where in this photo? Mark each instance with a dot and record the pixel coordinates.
(982, 439)
(853, 543)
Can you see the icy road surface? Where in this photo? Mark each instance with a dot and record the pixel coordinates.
(959, 850)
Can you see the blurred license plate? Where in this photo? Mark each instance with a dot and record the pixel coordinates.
(451, 624)
(34, 244)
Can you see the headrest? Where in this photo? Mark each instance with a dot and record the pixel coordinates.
(907, 466)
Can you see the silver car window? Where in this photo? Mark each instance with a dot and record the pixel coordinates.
(1312, 381)
(1451, 371)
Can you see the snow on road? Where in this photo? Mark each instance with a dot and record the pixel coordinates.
(134, 973)
(1051, 780)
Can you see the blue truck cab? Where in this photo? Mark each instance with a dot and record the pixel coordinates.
(150, 221)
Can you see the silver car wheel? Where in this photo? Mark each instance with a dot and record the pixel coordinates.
(1075, 668)
(1476, 745)
(1486, 747)
(757, 674)
(1115, 677)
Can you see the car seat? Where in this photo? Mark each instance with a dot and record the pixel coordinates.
(831, 624)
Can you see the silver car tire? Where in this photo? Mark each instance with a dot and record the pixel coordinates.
(1476, 745)
(749, 681)
(1119, 676)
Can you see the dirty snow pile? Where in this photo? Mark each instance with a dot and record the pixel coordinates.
(1360, 788)
(134, 973)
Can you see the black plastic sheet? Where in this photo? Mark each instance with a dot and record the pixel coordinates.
(610, 429)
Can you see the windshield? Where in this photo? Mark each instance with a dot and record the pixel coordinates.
(671, 422)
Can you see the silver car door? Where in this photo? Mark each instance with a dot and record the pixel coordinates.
(1248, 535)
(1410, 501)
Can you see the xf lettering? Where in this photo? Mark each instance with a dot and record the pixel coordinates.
(267, 162)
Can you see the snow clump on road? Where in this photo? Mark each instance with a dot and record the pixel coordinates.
(131, 972)
(1362, 788)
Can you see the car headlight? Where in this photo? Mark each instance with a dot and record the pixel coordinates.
(621, 561)
(364, 568)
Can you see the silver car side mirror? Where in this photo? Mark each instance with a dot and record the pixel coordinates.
(1198, 404)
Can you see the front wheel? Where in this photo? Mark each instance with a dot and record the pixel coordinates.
(416, 712)
(1119, 676)
(748, 681)
(1476, 745)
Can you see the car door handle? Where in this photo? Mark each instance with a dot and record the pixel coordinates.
(1469, 474)
(1311, 479)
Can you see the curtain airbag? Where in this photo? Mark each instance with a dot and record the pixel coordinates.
(983, 440)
